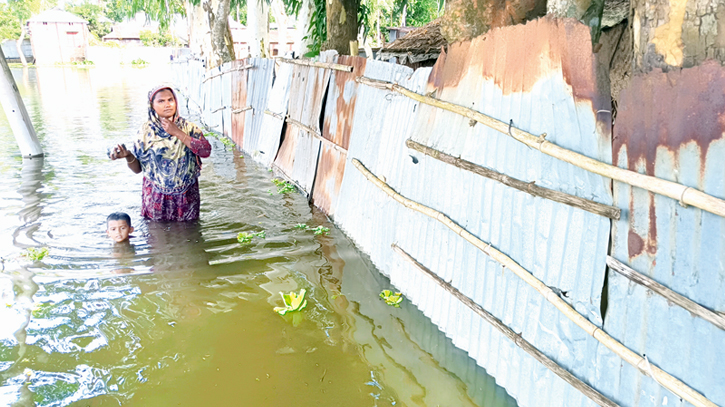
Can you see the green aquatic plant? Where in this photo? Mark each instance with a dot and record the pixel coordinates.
(283, 187)
(292, 302)
(391, 298)
(244, 237)
(33, 254)
(138, 62)
(302, 226)
(321, 230)
(223, 139)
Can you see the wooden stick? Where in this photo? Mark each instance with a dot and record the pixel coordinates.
(314, 64)
(218, 109)
(643, 365)
(244, 109)
(241, 68)
(275, 115)
(608, 211)
(522, 343)
(314, 133)
(684, 302)
(684, 194)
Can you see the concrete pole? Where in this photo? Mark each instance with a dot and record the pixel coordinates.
(17, 115)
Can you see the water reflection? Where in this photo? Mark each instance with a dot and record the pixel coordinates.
(182, 313)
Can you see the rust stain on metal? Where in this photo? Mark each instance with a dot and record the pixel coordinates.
(239, 100)
(670, 110)
(517, 57)
(346, 91)
(328, 180)
(286, 155)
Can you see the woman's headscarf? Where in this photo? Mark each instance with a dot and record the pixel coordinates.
(165, 160)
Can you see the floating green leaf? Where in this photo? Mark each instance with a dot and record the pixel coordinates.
(283, 187)
(321, 230)
(302, 226)
(244, 237)
(292, 302)
(391, 298)
(33, 254)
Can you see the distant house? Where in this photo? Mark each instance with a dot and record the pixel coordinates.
(58, 36)
(129, 33)
(240, 37)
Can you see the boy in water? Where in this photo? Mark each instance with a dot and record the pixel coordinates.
(118, 226)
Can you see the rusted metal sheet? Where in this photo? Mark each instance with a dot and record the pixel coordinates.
(259, 85)
(226, 94)
(239, 100)
(300, 146)
(542, 76)
(337, 127)
(273, 121)
(671, 125)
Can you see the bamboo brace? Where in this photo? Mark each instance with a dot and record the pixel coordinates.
(643, 365)
(315, 64)
(522, 343)
(684, 194)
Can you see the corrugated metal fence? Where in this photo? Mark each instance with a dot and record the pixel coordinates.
(310, 122)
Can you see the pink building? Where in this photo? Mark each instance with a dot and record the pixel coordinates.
(58, 36)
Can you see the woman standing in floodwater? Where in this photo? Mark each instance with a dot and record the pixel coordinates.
(168, 151)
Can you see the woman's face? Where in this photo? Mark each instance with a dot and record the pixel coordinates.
(164, 104)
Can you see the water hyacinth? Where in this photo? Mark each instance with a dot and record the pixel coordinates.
(292, 302)
(391, 298)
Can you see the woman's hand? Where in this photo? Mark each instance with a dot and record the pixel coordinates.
(119, 151)
(171, 128)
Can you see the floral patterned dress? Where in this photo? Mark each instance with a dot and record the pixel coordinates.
(170, 190)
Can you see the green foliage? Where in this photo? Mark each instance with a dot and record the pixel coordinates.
(95, 15)
(9, 24)
(224, 140)
(118, 10)
(317, 29)
(391, 298)
(161, 11)
(292, 302)
(33, 254)
(152, 39)
(283, 187)
(244, 237)
(301, 226)
(321, 230)
(139, 63)
(83, 63)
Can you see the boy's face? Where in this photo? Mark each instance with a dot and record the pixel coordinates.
(118, 230)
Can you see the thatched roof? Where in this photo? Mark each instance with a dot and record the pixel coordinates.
(421, 44)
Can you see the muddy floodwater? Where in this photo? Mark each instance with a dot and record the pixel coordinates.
(183, 315)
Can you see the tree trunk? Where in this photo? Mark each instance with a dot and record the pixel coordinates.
(19, 45)
(341, 25)
(464, 19)
(281, 17)
(567, 8)
(403, 16)
(199, 32)
(677, 33)
(221, 42)
(303, 21)
(258, 27)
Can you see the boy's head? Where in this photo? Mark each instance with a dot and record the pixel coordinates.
(118, 226)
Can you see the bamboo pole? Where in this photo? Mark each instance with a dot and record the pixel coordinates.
(682, 193)
(643, 365)
(220, 108)
(244, 109)
(17, 114)
(597, 208)
(241, 68)
(315, 64)
(314, 133)
(522, 343)
(684, 302)
(275, 115)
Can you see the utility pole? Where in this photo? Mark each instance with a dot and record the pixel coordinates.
(17, 114)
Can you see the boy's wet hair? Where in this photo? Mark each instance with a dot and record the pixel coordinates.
(119, 216)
